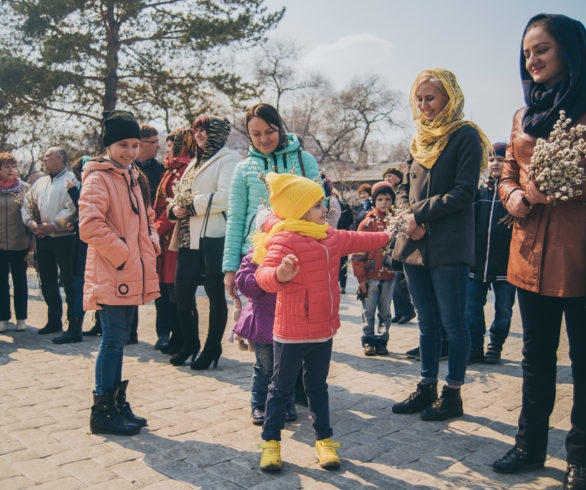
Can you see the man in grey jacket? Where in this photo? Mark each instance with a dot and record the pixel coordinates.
(48, 211)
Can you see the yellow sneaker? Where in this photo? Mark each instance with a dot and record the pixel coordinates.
(326, 453)
(271, 456)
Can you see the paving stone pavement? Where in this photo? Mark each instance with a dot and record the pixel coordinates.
(200, 434)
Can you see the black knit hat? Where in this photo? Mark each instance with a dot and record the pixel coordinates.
(118, 126)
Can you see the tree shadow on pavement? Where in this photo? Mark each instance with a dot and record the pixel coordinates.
(12, 341)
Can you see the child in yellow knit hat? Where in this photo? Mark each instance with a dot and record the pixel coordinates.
(299, 260)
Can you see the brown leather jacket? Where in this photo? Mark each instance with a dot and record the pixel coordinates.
(548, 248)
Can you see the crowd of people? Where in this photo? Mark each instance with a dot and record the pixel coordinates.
(273, 233)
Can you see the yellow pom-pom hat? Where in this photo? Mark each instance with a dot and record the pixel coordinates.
(291, 196)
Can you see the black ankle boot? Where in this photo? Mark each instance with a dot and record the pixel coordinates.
(174, 344)
(50, 328)
(124, 406)
(448, 405)
(187, 350)
(419, 400)
(73, 333)
(517, 459)
(106, 419)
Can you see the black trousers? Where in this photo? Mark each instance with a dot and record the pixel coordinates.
(56, 258)
(187, 278)
(13, 261)
(542, 318)
(166, 310)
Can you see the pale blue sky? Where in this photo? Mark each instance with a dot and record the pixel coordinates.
(478, 40)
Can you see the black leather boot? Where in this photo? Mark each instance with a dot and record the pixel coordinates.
(106, 418)
(73, 333)
(213, 347)
(210, 354)
(190, 334)
(50, 328)
(124, 406)
(419, 400)
(176, 338)
(575, 477)
(448, 405)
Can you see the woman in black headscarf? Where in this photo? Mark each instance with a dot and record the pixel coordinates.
(547, 259)
(206, 182)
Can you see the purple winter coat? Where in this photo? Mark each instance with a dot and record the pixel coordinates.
(258, 315)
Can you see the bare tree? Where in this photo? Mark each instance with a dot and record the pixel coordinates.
(341, 123)
(372, 104)
(276, 73)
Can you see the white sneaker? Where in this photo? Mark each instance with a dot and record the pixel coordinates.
(3, 325)
(20, 325)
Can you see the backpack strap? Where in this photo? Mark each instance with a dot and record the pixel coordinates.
(300, 160)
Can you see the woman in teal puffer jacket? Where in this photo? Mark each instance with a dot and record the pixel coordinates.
(271, 150)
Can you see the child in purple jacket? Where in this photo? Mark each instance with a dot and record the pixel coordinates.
(256, 325)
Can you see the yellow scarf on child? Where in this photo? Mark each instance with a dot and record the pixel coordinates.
(301, 226)
(431, 137)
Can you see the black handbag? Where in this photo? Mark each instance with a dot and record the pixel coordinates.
(211, 249)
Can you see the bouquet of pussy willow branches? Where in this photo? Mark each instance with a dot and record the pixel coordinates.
(396, 224)
(182, 195)
(555, 163)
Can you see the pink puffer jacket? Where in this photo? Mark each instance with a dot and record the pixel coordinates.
(122, 239)
(307, 306)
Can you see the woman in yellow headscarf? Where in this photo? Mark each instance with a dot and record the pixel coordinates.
(436, 250)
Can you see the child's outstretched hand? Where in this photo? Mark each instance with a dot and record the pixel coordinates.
(288, 269)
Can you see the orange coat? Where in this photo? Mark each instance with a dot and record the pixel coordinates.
(548, 248)
(122, 245)
(308, 305)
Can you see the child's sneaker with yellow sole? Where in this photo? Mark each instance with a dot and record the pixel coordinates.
(326, 453)
(271, 456)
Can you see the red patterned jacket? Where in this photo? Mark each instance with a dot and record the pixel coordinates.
(369, 265)
(167, 261)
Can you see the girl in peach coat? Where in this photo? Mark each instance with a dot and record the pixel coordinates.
(117, 223)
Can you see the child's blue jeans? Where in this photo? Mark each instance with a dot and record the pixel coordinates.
(378, 297)
(261, 376)
(315, 359)
(116, 321)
